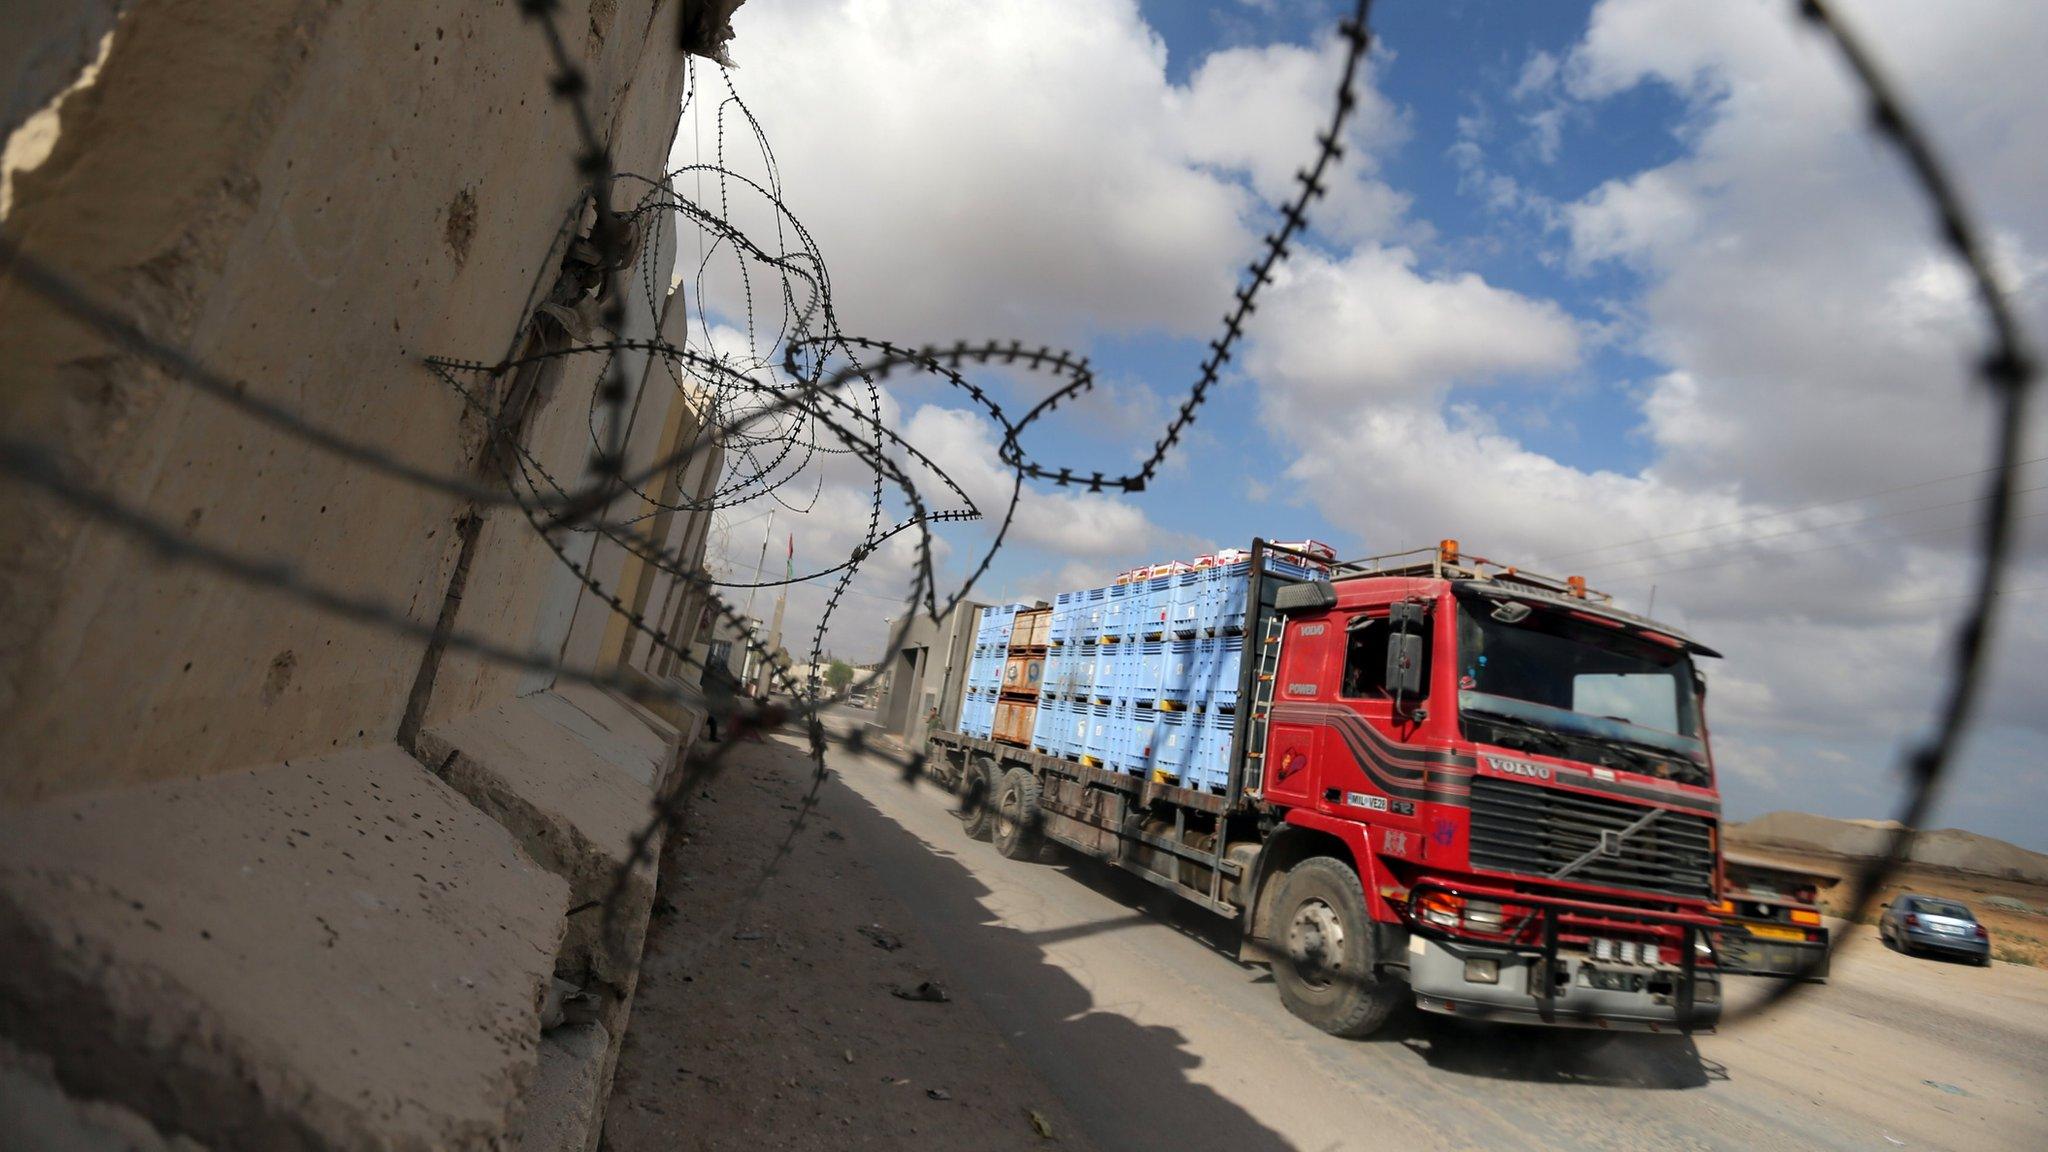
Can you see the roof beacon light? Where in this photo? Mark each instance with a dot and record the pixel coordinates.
(1447, 551)
(1577, 584)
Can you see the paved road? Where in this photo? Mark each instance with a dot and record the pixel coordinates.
(1134, 1012)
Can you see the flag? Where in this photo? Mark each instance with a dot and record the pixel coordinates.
(789, 566)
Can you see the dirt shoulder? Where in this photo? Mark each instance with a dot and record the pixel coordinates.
(773, 1022)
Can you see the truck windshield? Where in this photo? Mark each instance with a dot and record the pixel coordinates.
(1549, 681)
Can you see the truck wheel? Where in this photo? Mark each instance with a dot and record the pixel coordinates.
(1326, 974)
(978, 797)
(1016, 815)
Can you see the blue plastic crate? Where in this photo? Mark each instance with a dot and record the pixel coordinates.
(1210, 765)
(1183, 602)
(1172, 743)
(1047, 726)
(1103, 684)
(1287, 567)
(986, 671)
(978, 714)
(1074, 718)
(1154, 618)
(1095, 743)
(1060, 629)
(1228, 664)
(1150, 666)
(1077, 673)
(1230, 585)
(1177, 672)
(1056, 663)
(1128, 667)
(1214, 676)
(1136, 753)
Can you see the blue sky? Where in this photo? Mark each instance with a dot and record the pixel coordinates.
(1443, 65)
(1616, 287)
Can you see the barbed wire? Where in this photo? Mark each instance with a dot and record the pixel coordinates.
(801, 392)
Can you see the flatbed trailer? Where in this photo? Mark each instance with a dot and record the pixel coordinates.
(1374, 847)
(1154, 830)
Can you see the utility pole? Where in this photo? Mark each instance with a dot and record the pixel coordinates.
(747, 662)
(774, 640)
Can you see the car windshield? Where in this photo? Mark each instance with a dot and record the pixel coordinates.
(1557, 672)
(1942, 908)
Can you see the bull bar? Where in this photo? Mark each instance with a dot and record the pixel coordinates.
(1564, 921)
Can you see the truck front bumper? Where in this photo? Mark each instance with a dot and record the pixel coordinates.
(1584, 993)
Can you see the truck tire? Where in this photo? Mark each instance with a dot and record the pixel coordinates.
(1326, 971)
(1016, 815)
(978, 797)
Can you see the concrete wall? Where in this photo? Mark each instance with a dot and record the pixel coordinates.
(311, 197)
(927, 671)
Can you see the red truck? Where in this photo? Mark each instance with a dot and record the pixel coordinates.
(1448, 781)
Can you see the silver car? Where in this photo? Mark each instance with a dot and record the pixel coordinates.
(1934, 925)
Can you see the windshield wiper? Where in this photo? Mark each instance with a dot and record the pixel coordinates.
(1512, 726)
(1684, 768)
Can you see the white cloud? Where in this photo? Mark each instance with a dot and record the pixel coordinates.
(1025, 168)
(1358, 330)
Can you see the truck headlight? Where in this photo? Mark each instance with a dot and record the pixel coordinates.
(1482, 916)
(1440, 909)
(1482, 970)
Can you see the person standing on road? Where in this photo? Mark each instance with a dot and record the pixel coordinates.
(721, 692)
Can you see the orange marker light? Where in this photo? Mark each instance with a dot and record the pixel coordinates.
(1577, 584)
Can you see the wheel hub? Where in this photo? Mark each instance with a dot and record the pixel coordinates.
(1315, 941)
(1005, 806)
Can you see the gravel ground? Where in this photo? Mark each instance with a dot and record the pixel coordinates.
(772, 1022)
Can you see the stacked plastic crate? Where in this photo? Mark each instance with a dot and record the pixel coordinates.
(1140, 676)
(985, 669)
(1205, 614)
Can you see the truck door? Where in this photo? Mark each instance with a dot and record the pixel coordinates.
(1294, 735)
(1374, 769)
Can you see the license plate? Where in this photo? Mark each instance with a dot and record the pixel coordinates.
(1950, 929)
(1773, 932)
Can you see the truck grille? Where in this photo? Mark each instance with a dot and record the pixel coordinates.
(1530, 830)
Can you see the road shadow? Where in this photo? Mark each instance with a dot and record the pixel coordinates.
(1142, 1068)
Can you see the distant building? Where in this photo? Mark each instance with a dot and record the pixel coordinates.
(926, 673)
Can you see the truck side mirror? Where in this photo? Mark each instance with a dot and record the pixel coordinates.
(1404, 664)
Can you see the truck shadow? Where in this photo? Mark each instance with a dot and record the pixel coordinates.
(1129, 1081)
(1557, 1056)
